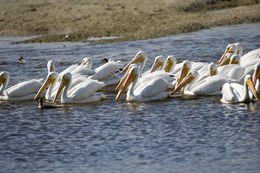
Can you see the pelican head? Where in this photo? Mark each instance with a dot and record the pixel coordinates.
(65, 80)
(50, 66)
(169, 63)
(87, 62)
(52, 76)
(239, 49)
(225, 60)
(188, 79)
(122, 80)
(231, 48)
(256, 74)
(212, 69)
(234, 59)
(186, 66)
(4, 80)
(158, 63)
(250, 85)
(131, 75)
(4, 76)
(140, 57)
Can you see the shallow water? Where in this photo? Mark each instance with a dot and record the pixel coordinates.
(184, 134)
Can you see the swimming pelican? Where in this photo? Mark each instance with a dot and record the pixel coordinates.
(256, 76)
(155, 89)
(235, 48)
(169, 64)
(157, 65)
(153, 72)
(52, 81)
(140, 57)
(186, 66)
(108, 73)
(237, 93)
(50, 66)
(84, 68)
(21, 91)
(195, 84)
(202, 82)
(233, 70)
(83, 93)
(251, 58)
(226, 60)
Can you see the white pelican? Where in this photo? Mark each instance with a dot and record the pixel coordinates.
(108, 72)
(154, 72)
(233, 70)
(80, 74)
(251, 58)
(195, 84)
(186, 66)
(140, 57)
(256, 76)
(202, 82)
(226, 60)
(237, 93)
(169, 64)
(21, 91)
(157, 65)
(196, 66)
(235, 48)
(52, 81)
(155, 89)
(83, 93)
(84, 68)
(50, 66)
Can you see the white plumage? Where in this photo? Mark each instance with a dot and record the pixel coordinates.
(155, 89)
(21, 91)
(107, 72)
(84, 92)
(237, 93)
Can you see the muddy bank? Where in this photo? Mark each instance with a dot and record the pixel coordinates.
(78, 20)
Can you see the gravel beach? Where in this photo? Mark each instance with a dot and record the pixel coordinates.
(79, 20)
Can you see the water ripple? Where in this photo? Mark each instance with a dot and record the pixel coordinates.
(183, 134)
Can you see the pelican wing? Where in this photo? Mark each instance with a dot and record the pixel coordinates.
(210, 86)
(77, 80)
(155, 87)
(227, 93)
(69, 69)
(161, 74)
(249, 63)
(231, 92)
(82, 70)
(24, 88)
(86, 89)
(106, 70)
(236, 73)
(252, 55)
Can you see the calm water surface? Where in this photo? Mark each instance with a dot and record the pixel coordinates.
(184, 134)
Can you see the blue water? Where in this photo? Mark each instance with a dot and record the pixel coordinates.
(183, 134)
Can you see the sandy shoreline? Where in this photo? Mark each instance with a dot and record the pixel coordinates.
(78, 20)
